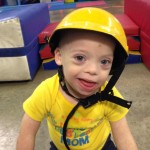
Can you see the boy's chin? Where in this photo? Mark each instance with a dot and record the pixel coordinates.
(85, 94)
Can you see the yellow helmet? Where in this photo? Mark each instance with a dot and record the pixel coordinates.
(94, 19)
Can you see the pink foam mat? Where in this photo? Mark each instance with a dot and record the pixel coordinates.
(90, 3)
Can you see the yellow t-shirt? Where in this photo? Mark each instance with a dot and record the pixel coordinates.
(88, 128)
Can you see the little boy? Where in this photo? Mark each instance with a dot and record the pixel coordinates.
(81, 108)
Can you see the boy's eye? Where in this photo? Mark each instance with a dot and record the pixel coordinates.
(80, 58)
(105, 62)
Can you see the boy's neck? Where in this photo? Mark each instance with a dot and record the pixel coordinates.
(68, 98)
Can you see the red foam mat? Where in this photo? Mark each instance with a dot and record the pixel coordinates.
(47, 32)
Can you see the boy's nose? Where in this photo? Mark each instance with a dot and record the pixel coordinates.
(92, 69)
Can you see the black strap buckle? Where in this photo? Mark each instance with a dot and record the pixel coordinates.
(91, 100)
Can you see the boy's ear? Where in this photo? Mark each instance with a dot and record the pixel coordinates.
(58, 59)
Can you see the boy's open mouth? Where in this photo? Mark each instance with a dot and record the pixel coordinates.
(87, 84)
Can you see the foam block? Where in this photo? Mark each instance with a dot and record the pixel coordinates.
(61, 5)
(49, 64)
(19, 47)
(131, 29)
(134, 57)
(20, 24)
(21, 66)
(90, 3)
(45, 51)
(133, 42)
(145, 49)
(47, 32)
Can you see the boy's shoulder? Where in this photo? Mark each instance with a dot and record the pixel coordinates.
(51, 85)
(52, 80)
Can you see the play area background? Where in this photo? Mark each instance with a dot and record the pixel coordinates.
(134, 85)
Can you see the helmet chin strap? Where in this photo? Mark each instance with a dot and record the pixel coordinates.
(106, 94)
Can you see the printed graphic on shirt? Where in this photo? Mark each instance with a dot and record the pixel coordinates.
(75, 136)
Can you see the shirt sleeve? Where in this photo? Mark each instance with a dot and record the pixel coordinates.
(36, 105)
(115, 112)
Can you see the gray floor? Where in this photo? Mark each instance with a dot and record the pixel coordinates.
(134, 84)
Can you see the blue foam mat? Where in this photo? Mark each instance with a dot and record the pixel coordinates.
(30, 17)
(134, 58)
(49, 64)
(61, 5)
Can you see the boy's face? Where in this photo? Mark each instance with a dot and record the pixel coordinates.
(86, 58)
